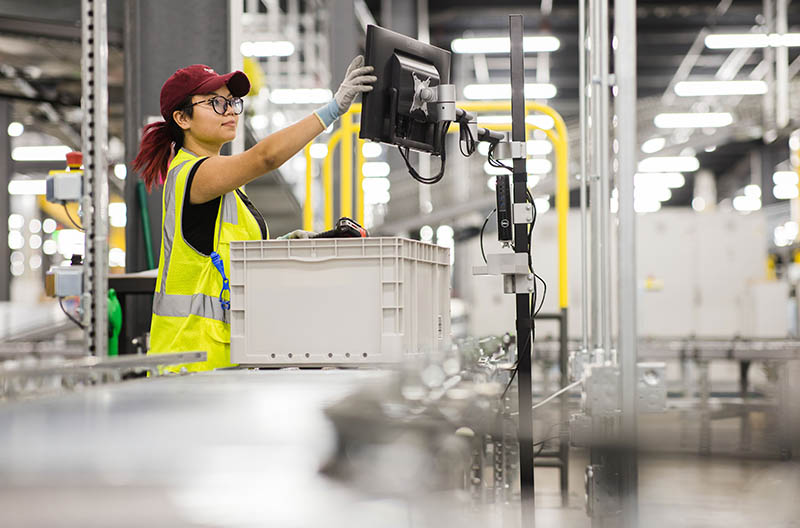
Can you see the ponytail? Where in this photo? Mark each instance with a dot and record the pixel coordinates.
(156, 149)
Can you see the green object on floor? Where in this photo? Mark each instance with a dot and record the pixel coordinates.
(114, 322)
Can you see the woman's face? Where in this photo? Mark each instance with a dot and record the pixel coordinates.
(206, 125)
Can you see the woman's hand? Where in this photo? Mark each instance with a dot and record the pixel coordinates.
(356, 80)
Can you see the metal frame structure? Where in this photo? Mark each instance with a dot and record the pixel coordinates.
(94, 145)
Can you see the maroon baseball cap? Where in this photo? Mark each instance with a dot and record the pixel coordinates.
(199, 79)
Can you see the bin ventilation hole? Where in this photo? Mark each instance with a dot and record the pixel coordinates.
(330, 355)
(272, 355)
(347, 355)
(308, 355)
(364, 354)
(290, 356)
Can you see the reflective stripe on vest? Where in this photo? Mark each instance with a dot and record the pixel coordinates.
(193, 296)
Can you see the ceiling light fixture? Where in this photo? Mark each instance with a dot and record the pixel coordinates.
(693, 120)
(503, 91)
(717, 88)
(669, 164)
(41, 153)
(532, 44)
(653, 145)
(278, 48)
(751, 40)
(299, 96)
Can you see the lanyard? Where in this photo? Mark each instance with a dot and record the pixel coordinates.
(217, 260)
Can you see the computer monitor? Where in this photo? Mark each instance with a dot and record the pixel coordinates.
(390, 113)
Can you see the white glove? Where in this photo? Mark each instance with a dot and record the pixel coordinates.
(297, 233)
(355, 81)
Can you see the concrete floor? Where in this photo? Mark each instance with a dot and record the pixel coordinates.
(244, 448)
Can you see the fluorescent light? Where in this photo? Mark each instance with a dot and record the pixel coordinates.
(543, 121)
(535, 147)
(377, 198)
(116, 257)
(538, 166)
(259, 122)
(746, 204)
(374, 185)
(673, 180)
(785, 178)
(300, 96)
(699, 203)
(542, 204)
(653, 145)
(27, 187)
(693, 120)
(120, 171)
(662, 194)
(50, 247)
(669, 164)
(752, 191)
(278, 48)
(444, 232)
(16, 221)
(646, 205)
(375, 169)
(751, 40)
(118, 214)
(701, 88)
(41, 153)
(35, 241)
(539, 147)
(426, 233)
(15, 129)
(785, 192)
(533, 44)
(503, 91)
(532, 166)
(371, 150)
(49, 225)
(318, 150)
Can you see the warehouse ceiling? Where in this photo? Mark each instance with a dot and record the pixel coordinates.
(40, 67)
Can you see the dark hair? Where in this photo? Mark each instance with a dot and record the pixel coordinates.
(155, 149)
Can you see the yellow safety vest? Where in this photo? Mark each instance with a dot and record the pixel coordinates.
(187, 313)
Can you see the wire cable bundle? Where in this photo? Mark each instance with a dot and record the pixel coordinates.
(534, 298)
(404, 152)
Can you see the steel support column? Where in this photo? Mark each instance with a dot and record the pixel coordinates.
(94, 144)
(627, 334)
(6, 171)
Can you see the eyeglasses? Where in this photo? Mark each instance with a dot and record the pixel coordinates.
(220, 104)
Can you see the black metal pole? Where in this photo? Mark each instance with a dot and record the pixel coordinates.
(563, 357)
(524, 337)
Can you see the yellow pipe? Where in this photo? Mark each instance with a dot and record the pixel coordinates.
(327, 177)
(360, 181)
(346, 167)
(308, 206)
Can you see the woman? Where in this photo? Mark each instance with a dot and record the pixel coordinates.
(204, 207)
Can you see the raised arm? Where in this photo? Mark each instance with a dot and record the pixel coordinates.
(222, 174)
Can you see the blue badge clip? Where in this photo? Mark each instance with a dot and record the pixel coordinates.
(217, 260)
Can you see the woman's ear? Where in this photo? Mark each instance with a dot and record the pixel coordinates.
(180, 117)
